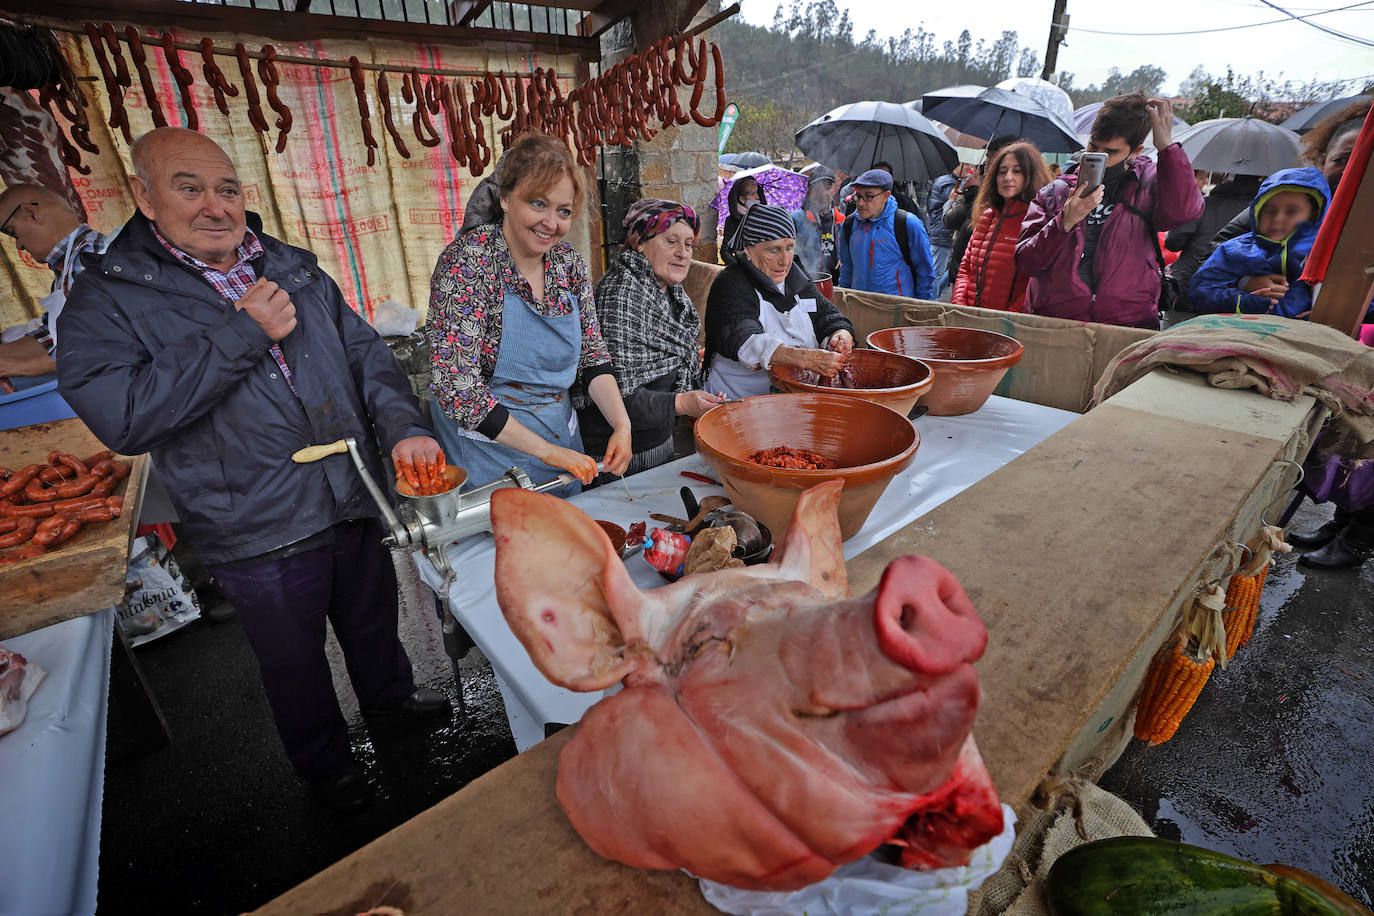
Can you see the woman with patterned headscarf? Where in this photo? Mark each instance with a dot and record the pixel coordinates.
(651, 328)
(764, 311)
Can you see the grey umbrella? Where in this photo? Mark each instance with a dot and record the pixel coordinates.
(1308, 118)
(1241, 146)
(998, 112)
(751, 160)
(854, 137)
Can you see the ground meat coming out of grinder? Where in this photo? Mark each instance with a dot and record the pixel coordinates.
(792, 459)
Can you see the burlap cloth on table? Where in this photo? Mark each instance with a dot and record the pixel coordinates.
(1018, 887)
(1278, 357)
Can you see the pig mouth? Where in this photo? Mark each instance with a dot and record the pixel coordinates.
(926, 700)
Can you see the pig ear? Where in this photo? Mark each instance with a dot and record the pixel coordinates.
(812, 550)
(565, 593)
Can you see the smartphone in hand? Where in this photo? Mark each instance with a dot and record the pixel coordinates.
(1091, 167)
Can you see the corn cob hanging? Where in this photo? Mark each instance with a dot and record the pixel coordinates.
(1245, 587)
(1177, 677)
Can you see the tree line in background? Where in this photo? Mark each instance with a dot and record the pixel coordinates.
(809, 61)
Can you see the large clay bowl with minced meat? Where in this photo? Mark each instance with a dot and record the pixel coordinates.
(888, 379)
(870, 444)
(968, 363)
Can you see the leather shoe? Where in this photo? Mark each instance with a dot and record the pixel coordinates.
(347, 793)
(1347, 549)
(422, 704)
(1321, 535)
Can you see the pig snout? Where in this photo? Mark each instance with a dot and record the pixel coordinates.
(923, 619)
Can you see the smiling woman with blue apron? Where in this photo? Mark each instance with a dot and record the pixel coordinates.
(512, 331)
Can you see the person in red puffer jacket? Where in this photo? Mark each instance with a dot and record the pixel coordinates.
(988, 277)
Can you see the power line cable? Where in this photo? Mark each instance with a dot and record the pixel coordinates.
(1320, 28)
(1233, 28)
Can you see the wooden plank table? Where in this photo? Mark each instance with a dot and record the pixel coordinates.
(1078, 555)
(86, 573)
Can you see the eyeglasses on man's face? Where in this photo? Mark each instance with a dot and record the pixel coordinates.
(5, 226)
(869, 196)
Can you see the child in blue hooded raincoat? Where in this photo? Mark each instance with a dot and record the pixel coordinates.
(1257, 273)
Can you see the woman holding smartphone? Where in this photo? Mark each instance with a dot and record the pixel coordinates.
(987, 272)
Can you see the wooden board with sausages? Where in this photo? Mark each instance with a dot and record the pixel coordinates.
(85, 573)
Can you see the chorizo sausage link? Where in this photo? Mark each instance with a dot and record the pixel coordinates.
(35, 492)
(112, 42)
(250, 90)
(214, 76)
(20, 479)
(15, 530)
(183, 77)
(119, 118)
(355, 72)
(424, 128)
(77, 487)
(384, 99)
(271, 79)
(140, 58)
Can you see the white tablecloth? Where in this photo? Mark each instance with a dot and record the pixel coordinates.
(52, 772)
(955, 453)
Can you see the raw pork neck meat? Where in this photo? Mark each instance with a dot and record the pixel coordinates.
(771, 727)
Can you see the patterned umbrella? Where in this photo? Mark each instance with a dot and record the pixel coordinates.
(1044, 92)
(781, 188)
(853, 137)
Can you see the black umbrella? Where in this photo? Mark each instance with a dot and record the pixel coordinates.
(1308, 118)
(998, 112)
(854, 137)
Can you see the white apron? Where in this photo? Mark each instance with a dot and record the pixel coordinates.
(792, 328)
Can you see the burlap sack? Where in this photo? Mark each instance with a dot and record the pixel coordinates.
(1042, 836)
(1278, 357)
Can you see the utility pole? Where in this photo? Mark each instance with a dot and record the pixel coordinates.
(1059, 27)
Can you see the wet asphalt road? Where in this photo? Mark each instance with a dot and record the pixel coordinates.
(1274, 764)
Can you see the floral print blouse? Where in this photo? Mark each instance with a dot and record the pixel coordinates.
(464, 321)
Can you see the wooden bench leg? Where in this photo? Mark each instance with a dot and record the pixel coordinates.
(135, 696)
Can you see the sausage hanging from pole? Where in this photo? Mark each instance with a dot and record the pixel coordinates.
(145, 79)
(184, 80)
(271, 79)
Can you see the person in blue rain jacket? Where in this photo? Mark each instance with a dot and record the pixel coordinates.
(1257, 273)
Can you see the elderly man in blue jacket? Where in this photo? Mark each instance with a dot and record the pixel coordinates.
(884, 249)
(222, 351)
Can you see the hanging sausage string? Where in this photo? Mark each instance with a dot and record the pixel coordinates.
(630, 101)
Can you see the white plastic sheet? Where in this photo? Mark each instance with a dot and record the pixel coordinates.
(869, 887)
(955, 453)
(52, 772)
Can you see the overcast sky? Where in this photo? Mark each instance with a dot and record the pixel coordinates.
(1299, 50)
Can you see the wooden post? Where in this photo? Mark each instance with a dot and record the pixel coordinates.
(1344, 295)
(1057, 30)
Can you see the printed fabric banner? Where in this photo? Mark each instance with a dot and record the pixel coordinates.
(377, 230)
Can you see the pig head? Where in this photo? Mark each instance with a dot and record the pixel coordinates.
(771, 726)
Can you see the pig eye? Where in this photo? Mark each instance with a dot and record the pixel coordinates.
(548, 617)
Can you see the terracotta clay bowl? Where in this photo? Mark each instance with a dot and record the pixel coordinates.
(826, 284)
(884, 378)
(968, 363)
(871, 444)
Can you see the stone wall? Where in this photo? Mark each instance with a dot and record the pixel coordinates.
(677, 164)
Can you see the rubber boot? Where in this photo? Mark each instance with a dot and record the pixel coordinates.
(1350, 548)
(1320, 536)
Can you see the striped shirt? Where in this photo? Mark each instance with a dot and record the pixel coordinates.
(234, 283)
